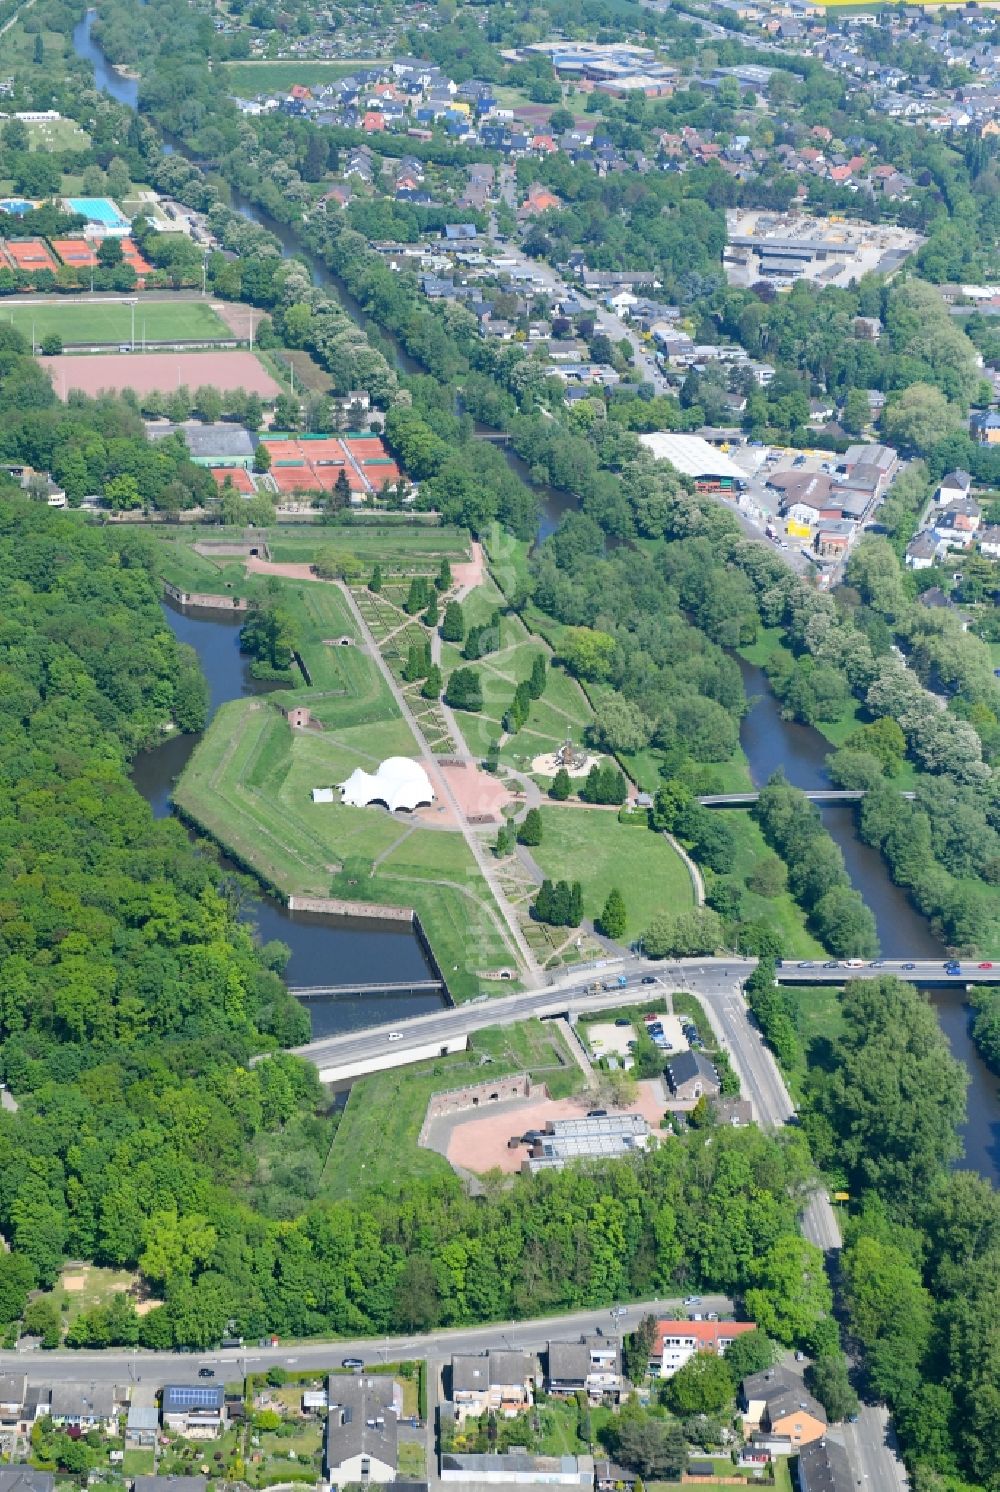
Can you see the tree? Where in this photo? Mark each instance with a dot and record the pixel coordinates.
(341, 494)
(653, 1447)
(703, 1385)
(620, 725)
(16, 1279)
(562, 786)
(418, 662)
(464, 691)
(530, 830)
(261, 458)
(375, 584)
(443, 580)
(39, 52)
(587, 653)
(416, 598)
(791, 1295)
(432, 615)
(506, 840)
(52, 345)
(208, 403)
(748, 1354)
(829, 1381)
(417, 1302)
(614, 918)
(768, 877)
(432, 685)
(536, 681)
(920, 418)
(42, 1319)
(453, 625)
(109, 254)
(332, 563)
(683, 934)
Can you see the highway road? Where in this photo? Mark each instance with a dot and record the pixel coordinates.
(709, 978)
(158, 1368)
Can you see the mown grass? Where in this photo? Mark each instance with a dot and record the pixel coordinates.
(249, 784)
(376, 1143)
(401, 547)
(781, 914)
(111, 325)
(589, 845)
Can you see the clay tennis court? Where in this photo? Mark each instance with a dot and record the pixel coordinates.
(161, 372)
(239, 477)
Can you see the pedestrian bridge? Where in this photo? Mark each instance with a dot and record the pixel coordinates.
(333, 991)
(815, 795)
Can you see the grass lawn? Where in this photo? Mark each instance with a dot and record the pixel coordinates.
(780, 913)
(81, 1287)
(412, 1465)
(139, 1463)
(590, 845)
(249, 785)
(178, 564)
(401, 547)
(376, 1143)
(57, 134)
(250, 78)
(106, 323)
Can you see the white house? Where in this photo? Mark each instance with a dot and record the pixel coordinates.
(676, 1342)
(953, 488)
(989, 541)
(361, 1444)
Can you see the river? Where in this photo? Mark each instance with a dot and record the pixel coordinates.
(769, 742)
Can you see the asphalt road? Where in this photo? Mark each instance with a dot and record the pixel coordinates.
(706, 977)
(158, 1368)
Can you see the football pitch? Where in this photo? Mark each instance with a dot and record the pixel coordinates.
(107, 324)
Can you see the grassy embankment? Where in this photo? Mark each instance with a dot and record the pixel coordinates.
(250, 781)
(376, 1143)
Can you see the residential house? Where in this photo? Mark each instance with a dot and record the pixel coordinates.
(953, 488)
(83, 1407)
(610, 1477)
(957, 524)
(591, 1365)
(25, 1479)
(195, 1410)
(824, 1467)
(515, 1468)
(498, 1381)
(924, 549)
(361, 1443)
(13, 1391)
(985, 427)
(737, 1113)
(989, 541)
(779, 1403)
(142, 1425)
(692, 1076)
(169, 1484)
(834, 537)
(676, 1342)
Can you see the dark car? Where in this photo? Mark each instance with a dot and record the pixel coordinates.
(352, 1362)
(909, 966)
(597, 1113)
(649, 979)
(206, 1372)
(623, 1020)
(832, 963)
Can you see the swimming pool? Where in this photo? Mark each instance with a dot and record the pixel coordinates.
(97, 210)
(15, 206)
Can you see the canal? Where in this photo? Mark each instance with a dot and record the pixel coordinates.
(347, 950)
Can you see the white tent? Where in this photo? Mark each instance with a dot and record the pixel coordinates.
(322, 794)
(398, 783)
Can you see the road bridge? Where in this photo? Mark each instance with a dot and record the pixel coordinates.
(439, 1032)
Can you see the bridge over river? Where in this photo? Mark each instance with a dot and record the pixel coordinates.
(817, 795)
(715, 980)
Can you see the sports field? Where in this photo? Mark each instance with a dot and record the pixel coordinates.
(146, 372)
(99, 323)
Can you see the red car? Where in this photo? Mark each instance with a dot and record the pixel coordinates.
(986, 966)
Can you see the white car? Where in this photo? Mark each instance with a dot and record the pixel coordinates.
(395, 1036)
(692, 1300)
(854, 963)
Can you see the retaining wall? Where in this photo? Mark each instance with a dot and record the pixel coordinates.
(201, 598)
(335, 907)
(477, 1096)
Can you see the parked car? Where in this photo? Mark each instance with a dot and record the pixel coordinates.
(597, 1113)
(206, 1372)
(623, 1020)
(692, 1300)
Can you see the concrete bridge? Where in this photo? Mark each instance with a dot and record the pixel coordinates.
(815, 795)
(439, 1032)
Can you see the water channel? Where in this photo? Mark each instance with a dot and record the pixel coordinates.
(325, 949)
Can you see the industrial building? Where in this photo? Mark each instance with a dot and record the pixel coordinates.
(784, 247)
(604, 1137)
